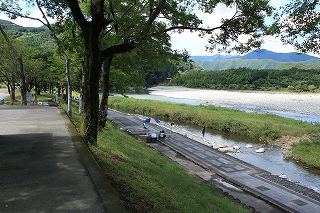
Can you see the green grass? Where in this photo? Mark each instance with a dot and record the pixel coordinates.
(149, 182)
(263, 127)
(306, 151)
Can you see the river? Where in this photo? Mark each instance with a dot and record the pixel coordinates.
(272, 160)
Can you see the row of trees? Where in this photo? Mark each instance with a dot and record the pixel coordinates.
(100, 32)
(40, 65)
(247, 79)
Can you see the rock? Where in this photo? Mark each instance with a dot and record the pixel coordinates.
(249, 146)
(283, 176)
(223, 149)
(236, 147)
(260, 150)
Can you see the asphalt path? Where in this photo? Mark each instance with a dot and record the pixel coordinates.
(46, 167)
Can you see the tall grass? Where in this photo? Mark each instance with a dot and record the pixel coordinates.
(306, 151)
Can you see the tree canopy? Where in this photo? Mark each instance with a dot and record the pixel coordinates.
(299, 24)
(113, 27)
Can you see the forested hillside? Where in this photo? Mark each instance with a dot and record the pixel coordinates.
(254, 64)
(33, 36)
(260, 54)
(297, 80)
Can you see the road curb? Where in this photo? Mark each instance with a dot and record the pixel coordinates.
(107, 193)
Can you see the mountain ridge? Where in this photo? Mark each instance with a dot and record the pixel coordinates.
(259, 54)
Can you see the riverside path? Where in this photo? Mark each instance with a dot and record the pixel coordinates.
(46, 167)
(286, 195)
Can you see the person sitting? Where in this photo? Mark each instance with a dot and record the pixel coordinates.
(162, 135)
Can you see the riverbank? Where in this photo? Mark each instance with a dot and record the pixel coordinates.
(304, 103)
(265, 128)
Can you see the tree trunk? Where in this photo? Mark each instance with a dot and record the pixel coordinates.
(90, 116)
(106, 89)
(81, 88)
(23, 87)
(12, 91)
(69, 86)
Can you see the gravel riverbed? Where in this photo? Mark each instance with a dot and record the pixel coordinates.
(303, 103)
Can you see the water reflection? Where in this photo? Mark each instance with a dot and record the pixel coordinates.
(271, 160)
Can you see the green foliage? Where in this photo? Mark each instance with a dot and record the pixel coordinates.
(33, 36)
(296, 80)
(298, 24)
(307, 151)
(255, 64)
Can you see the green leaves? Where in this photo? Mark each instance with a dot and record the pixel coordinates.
(300, 25)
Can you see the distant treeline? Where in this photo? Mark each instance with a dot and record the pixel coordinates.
(294, 79)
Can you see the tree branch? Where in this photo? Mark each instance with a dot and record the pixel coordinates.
(192, 28)
(77, 14)
(121, 48)
(22, 16)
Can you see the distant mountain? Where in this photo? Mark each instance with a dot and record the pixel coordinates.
(34, 36)
(212, 58)
(260, 55)
(256, 64)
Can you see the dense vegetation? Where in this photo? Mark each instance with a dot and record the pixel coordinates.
(255, 64)
(294, 79)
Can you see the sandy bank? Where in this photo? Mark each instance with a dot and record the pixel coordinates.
(288, 102)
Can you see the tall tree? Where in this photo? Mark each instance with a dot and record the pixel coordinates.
(19, 67)
(135, 23)
(48, 9)
(142, 21)
(8, 72)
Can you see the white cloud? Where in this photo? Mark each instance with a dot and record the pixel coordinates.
(196, 45)
(25, 22)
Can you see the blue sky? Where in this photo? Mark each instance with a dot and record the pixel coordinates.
(190, 41)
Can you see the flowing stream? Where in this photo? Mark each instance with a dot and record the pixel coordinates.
(272, 160)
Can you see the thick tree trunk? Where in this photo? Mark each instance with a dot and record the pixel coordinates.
(106, 89)
(89, 127)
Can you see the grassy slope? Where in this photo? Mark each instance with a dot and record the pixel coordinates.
(149, 182)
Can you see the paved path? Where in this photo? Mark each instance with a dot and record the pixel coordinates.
(245, 176)
(45, 166)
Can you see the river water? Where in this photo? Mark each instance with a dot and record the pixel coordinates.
(272, 160)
